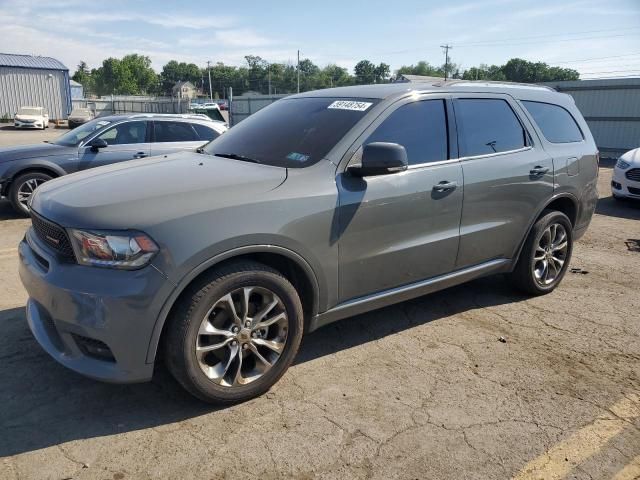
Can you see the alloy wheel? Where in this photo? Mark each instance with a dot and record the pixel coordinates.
(25, 191)
(550, 254)
(242, 336)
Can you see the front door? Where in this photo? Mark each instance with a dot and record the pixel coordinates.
(125, 141)
(401, 228)
(507, 177)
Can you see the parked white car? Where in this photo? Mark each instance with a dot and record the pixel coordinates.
(31, 117)
(626, 176)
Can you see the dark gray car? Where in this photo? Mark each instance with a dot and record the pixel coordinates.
(96, 143)
(319, 207)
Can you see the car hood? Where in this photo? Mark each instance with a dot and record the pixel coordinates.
(632, 157)
(29, 117)
(148, 192)
(9, 154)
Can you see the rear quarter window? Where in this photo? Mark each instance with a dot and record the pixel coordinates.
(556, 123)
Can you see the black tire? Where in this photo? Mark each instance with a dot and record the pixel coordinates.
(181, 332)
(17, 184)
(524, 276)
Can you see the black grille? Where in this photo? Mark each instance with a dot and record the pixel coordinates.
(633, 174)
(53, 235)
(634, 191)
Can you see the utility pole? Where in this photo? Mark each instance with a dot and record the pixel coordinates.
(269, 67)
(446, 48)
(298, 71)
(210, 88)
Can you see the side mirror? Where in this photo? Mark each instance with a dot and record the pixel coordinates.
(97, 143)
(380, 158)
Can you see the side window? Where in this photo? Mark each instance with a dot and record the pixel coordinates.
(420, 127)
(174, 132)
(488, 126)
(126, 133)
(556, 123)
(204, 132)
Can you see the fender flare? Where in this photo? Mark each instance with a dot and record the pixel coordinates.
(152, 349)
(17, 169)
(537, 215)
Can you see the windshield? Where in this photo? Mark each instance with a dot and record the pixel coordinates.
(30, 111)
(75, 136)
(80, 112)
(292, 132)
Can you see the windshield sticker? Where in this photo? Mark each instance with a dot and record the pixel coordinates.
(298, 157)
(350, 105)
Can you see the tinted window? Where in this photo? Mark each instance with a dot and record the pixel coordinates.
(420, 127)
(205, 133)
(488, 126)
(125, 133)
(557, 125)
(292, 132)
(174, 132)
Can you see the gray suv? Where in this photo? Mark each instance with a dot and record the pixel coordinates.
(99, 142)
(319, 207)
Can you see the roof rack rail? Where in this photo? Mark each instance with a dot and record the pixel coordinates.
(195, 116)
(462, 83)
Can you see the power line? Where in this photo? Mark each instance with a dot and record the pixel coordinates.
(552, 35)
(598, 58)
(509, 43)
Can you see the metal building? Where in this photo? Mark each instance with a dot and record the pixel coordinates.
(34, 81)
(77, 90)
(611, 108)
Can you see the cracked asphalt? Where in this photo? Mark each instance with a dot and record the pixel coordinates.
(420, 390)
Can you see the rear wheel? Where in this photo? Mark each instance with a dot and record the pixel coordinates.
(22, 189)
(546, 254)
(234, 333)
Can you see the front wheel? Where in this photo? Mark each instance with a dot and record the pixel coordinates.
(22, 189)
(234, 333)
(546, 254)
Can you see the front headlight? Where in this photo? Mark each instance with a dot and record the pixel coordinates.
(124, 250)
(622, 165)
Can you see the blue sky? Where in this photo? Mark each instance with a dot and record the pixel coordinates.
(582, 34)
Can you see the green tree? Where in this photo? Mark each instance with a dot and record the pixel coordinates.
(131, 75)
(519, 70)
(365, 72)
(382, 73)
(83, 76)
(174, 72)
(421, 68)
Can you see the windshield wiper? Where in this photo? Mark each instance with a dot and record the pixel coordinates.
(235, 156)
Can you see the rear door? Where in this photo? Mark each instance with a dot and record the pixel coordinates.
(126, 141)
(507, 176)
(172, 136)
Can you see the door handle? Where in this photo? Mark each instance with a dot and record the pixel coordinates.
(140, 155)
(444, 186)
(538, 170)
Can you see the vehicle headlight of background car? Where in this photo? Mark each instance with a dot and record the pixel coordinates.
(126, 250)
(622, 165)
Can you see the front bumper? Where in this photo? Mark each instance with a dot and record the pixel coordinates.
(621, 186)
(78, 313)
(19, 124)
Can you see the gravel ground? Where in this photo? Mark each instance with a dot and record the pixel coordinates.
(423, 389)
